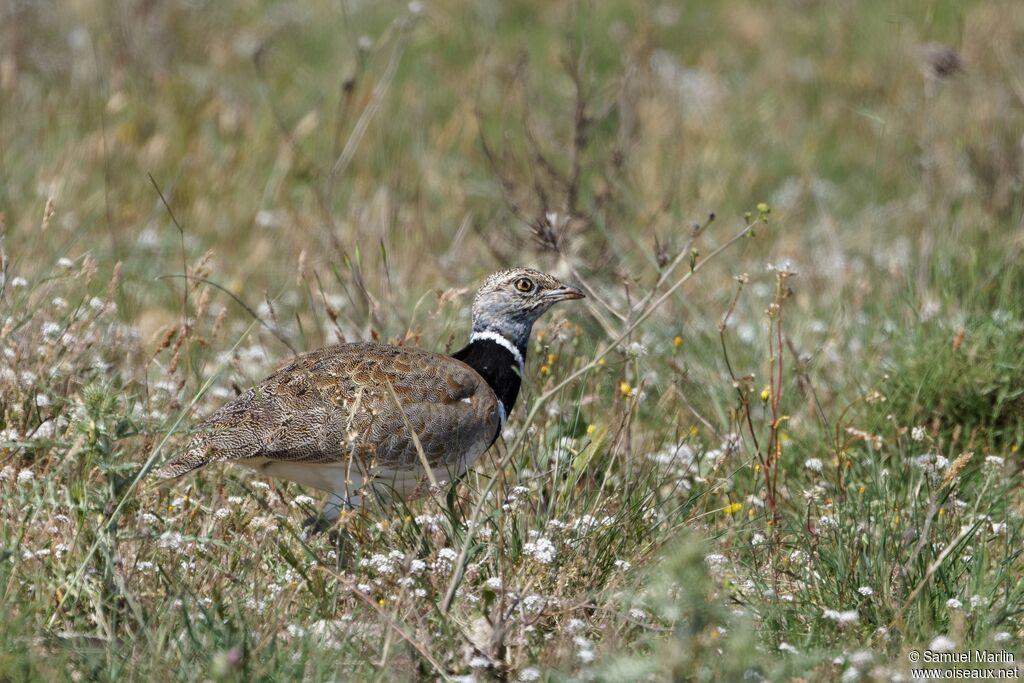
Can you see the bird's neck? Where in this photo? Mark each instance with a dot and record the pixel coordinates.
(500, 361)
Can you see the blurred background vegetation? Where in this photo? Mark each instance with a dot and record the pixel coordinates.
(342, 169)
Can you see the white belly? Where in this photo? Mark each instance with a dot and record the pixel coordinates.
(346, 479)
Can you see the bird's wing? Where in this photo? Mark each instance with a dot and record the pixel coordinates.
(336, 405)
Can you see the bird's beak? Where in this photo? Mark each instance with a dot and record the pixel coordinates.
(563, 293)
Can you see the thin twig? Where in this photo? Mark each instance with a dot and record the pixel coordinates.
(351, 586)
(181, 233)
(248, 309)
(372, 107)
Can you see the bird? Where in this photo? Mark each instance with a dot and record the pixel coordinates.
(362, 419)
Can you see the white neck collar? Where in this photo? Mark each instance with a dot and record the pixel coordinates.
(503, 342)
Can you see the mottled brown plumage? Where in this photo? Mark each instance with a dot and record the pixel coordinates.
(358, 419)
(334, 406)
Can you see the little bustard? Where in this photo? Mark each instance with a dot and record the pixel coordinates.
(363, 418)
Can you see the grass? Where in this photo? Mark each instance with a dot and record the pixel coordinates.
(717, 471)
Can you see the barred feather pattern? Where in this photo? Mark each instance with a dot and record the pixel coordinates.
(335, 406)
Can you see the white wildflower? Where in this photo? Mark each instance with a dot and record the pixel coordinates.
(758, 539)
(637, 614)
(584, 649)
(516, 498)
(383, 564)
(445, 559)
(715, 561)
(931, 462)
(636, 349)
(430, 522)
(623, 565)
(258, 606)
(221, 393)
(918, 433)
(813, 464)
(942, 643)
(679, 459)
(866, 591)
(994, 461)
(534, 603)
(555, 526)
(170, 540)
(19, 282)
(542, 550)
(529, 675)
(842, 617)
(221, 513)
(826, 522)
(493, 583)
(587, 523)
(954, 604)
(303, 501)
(1002, 637)
(479, 662)
(51, 330)
(26, 475)
(785, 266)
(787, 648)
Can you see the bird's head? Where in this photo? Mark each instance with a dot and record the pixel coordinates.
(510, 301)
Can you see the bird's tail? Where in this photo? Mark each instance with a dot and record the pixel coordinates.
(194, 457)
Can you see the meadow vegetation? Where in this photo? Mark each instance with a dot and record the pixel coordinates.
(781, 441)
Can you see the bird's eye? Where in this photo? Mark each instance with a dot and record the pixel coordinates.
(524, 284)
